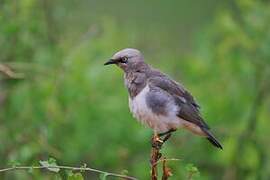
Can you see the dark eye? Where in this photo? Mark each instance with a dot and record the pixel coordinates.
(124, 59)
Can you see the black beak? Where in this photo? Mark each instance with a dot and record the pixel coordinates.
(111, 61)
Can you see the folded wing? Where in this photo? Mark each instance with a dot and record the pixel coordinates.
(188, 107)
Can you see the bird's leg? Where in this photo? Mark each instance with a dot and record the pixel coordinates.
(167, 137)
(166, 133)
(157, 141)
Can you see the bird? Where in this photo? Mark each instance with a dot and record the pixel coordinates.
(158, 101)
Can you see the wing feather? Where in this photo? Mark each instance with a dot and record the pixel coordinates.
(188, 107)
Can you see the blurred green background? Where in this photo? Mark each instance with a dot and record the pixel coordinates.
(58, 100)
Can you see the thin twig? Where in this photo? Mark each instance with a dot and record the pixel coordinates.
(7, 71)
(69, 168)
(165, 159)
(166, 171)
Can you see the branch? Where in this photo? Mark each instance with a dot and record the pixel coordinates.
(7, 71)
(166, 171)
(156, 158)
(69, 168)
(166, 160)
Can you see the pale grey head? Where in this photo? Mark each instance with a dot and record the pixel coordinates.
(127, 59)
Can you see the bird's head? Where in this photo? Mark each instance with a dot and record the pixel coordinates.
(127, 59)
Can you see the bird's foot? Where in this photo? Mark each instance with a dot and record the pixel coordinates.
(157, 142)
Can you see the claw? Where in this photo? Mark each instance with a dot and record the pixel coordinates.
(157, 142)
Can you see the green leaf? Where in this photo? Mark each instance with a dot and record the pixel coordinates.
(124, 172)
(52, 160)
(69, 172)
(30, 170)
(191, 168)
(103, 176)
(192, 171)
(15, 163)
(49, 163)
(83, 166)
(76, 176)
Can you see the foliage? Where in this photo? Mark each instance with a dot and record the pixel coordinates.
(192, 171)
(50, 162)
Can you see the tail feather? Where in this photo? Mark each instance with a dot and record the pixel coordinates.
(211, 138)
(214, 142)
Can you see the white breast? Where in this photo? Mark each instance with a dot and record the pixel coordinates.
(144, 114)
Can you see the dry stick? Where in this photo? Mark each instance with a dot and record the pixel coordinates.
(155, 159)
(69, 168)
(166, 171)
(7, 71)
(167, 159)
(155, 156)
